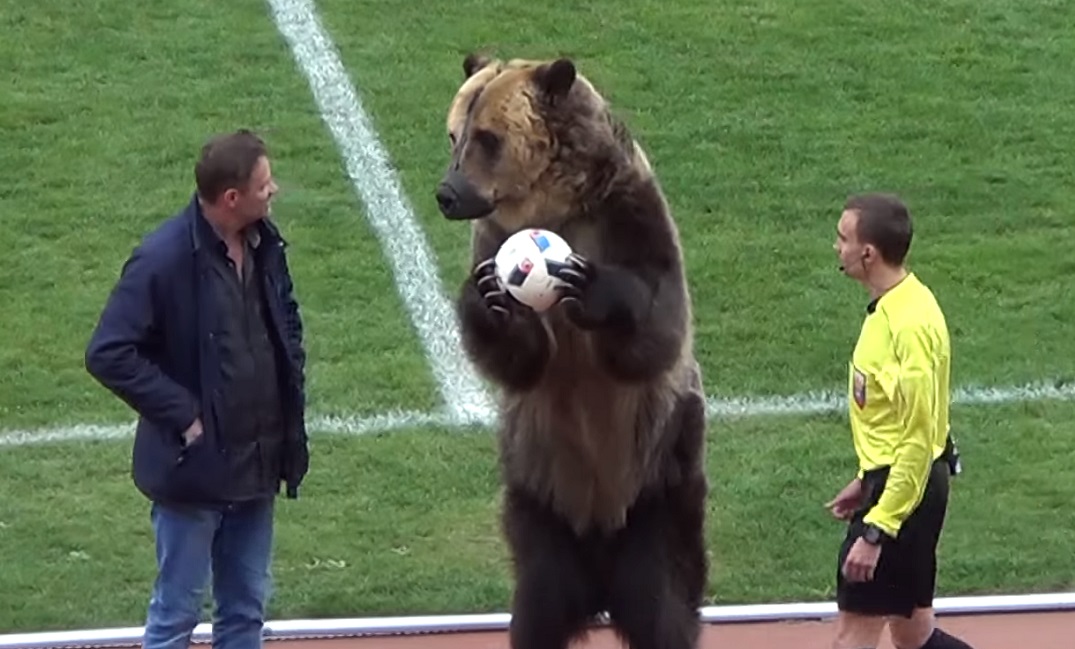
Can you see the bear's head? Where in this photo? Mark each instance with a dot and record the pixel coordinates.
(531, 142)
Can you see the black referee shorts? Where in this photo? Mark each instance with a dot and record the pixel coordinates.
(906, 573)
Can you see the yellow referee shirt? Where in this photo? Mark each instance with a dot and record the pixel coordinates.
(899, 396)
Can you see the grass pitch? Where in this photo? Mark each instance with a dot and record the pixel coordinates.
(759, 116)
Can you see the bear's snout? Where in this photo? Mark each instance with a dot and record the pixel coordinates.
(458, 199)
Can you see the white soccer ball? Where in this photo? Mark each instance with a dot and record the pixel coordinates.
(525, 265)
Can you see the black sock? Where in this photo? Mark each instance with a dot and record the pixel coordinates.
(941, 640)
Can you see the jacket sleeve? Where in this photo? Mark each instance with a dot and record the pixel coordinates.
(297, 462)
(294, 328)
(916, 395)
(129, 324)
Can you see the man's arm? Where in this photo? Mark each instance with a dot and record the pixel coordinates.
(916, 399)
(295, 347)
(128, 323)
(293, 318)
(297, 459)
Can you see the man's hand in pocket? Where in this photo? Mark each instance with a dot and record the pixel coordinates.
(192, 434)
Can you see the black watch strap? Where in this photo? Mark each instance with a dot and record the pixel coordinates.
(872, 534)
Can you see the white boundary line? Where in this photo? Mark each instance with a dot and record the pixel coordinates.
(331, 425)
(350, 425)
(402, 239)
(357, 627)
(821, 402)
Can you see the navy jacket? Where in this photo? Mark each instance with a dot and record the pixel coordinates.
(153, 347)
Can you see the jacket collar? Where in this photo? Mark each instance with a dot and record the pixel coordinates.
(202, 233)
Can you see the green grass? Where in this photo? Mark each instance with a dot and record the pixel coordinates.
(407, 523)
(759, 116)
(105, 109)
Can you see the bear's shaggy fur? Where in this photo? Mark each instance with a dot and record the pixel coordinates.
(602, 415)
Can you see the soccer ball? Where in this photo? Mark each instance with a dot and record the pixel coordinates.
(525, 265)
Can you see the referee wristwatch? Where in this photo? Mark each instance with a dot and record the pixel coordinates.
(872, 534)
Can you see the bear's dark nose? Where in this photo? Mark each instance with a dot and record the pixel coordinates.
(446, 199)
(459, 199)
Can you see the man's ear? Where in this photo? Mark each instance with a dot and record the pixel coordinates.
(230, 196)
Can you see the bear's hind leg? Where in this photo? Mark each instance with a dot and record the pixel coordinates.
(554, 596)
(659, 574)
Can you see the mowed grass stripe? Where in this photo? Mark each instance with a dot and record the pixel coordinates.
(105, 109)
(408, 523)
(760, 119)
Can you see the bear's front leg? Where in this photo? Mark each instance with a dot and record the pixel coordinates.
(505, 340)
(638, 317)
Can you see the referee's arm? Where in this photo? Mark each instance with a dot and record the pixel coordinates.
(910, 469)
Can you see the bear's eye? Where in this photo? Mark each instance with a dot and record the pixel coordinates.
(489, 141)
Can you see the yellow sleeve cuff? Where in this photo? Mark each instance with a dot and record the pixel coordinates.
(888, 527)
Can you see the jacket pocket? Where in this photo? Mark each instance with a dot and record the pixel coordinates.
(198, 472)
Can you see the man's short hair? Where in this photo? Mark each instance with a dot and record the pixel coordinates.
(885, 222)
(227, 161)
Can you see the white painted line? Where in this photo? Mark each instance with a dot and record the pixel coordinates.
(350, 425)
(820, 402)
(330, 425)
(402, 239)
(321, 629)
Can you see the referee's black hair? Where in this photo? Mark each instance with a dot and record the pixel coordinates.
(885, 222)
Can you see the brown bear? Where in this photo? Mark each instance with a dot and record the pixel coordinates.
(601, 411)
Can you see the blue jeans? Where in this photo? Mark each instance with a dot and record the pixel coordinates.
(231, 545)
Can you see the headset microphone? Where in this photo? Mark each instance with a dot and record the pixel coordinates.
(863, 258)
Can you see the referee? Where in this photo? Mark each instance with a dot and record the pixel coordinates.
(899, 398)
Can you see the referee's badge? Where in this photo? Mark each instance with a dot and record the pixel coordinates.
(859, 389)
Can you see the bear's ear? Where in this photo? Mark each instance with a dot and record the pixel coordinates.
(474, 62)
(556, 78)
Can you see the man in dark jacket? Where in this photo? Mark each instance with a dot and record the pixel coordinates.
(201, 336)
